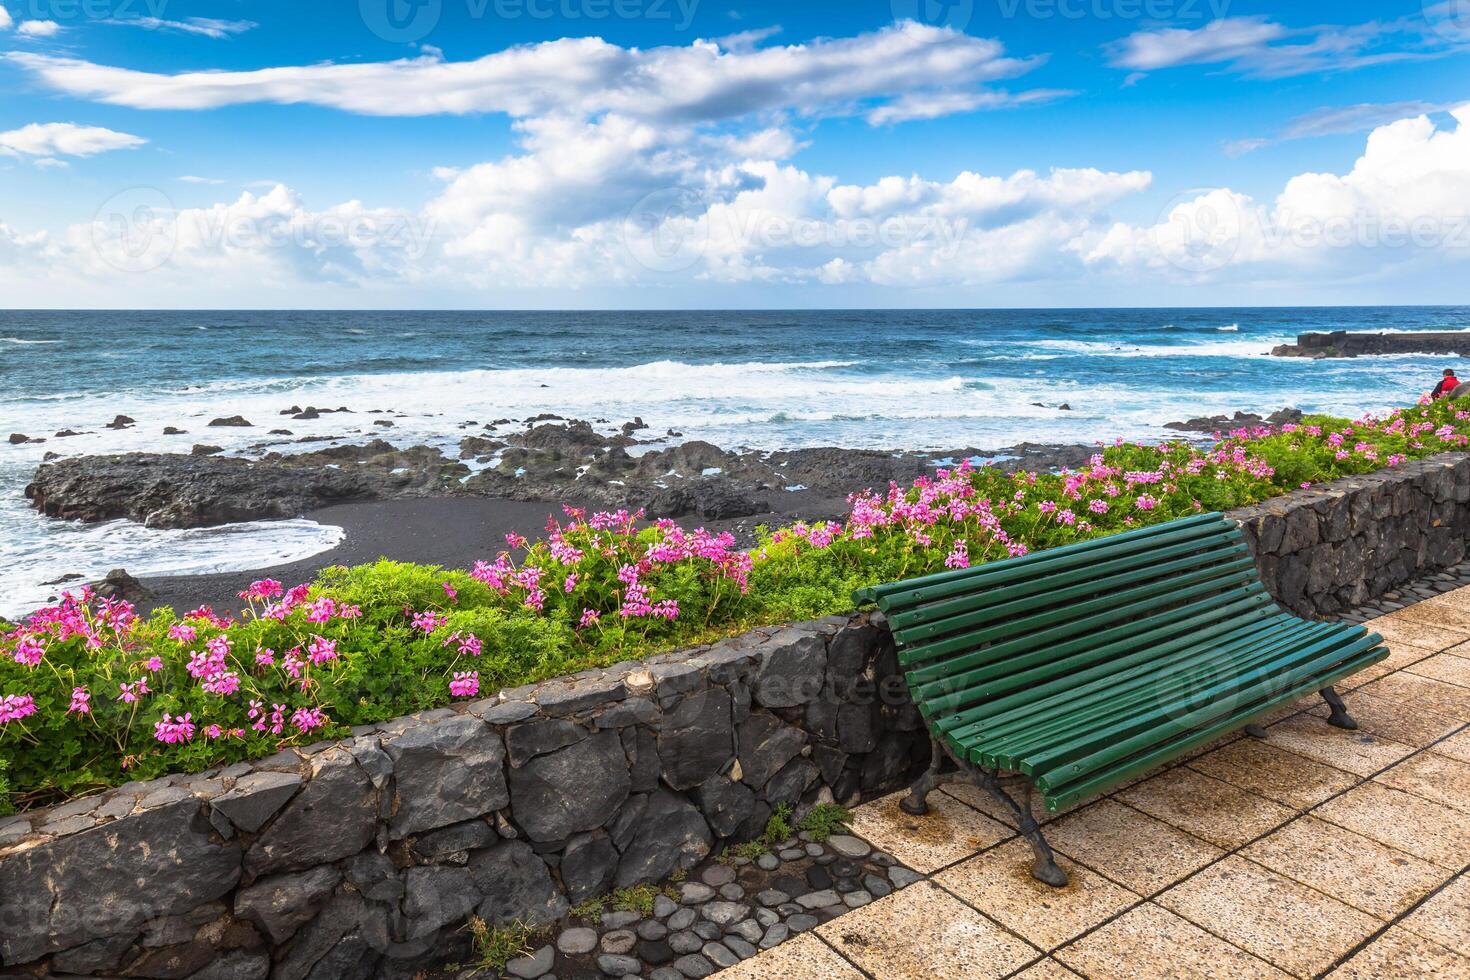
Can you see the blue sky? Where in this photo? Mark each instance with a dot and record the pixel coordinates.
(1003, 152)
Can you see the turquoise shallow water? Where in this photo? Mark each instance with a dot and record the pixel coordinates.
(899, 379)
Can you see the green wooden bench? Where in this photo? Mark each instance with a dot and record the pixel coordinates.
(1084, 666)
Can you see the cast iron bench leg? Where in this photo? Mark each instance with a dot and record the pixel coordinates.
(1255, 731)
(1045, 868)
(1339, 717)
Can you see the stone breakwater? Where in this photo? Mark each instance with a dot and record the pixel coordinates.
(366, 857)
(1338, 545)
(1340, 343)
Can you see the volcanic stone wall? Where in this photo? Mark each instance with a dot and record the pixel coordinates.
(366, 857)
(1336, 546)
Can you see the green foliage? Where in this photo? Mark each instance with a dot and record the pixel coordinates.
(496, 946)
(824, 820)
(5, 807)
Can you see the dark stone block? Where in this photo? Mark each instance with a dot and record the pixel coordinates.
(725, 804)
(334, 816)
(435, 897)
(765, 746)
(445, 773)
(525, 742)
(588, 866)
(454, 839)
(671, 835)
(516, 886)
(697, 739)
(110, 880)
(255, 798)
(570, 790)
(281, 904)
(792, 670)
(791, 782)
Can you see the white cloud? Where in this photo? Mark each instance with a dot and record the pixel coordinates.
(1259, 47)
(700, 82)
(38, 28)
(1405, 204)
(191, 179)
(5, 19)
(203, 26)
(65, 139)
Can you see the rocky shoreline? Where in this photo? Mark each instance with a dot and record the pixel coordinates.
(550, 459)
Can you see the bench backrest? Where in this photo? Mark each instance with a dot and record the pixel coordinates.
(984, 640)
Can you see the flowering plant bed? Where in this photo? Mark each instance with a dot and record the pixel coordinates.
(92, 695)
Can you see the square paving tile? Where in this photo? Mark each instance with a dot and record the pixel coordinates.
(1445, 667)
(1299, 930)
(1456, 746)
(1274, 773)
(1421, 692)
(1353, 869)
(1047, 969)
(1452, 615)
(949, 832)
(923, 932)
(1154, 942)
(1454, 599)
(1215, 811)
(999, 881)
(803, 958)
(1434, 777)
(1445, 918)
(1409, 823)
(1431, 638)
(1415, 725)
(1401, 955)
(1129, 846)
(1359, 752)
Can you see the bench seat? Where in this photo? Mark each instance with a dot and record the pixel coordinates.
(1084, 666)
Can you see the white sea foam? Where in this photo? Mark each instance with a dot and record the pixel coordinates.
(23, 342)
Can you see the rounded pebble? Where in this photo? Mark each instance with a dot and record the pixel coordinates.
(652, 929)
(856, 900)
(618, 966)
(732, 891)
(767, 917)
(876, 886)
(664, 906)
(818, 900)
(749, 930)
(538, 964)
(801, 923)
(708, 930)
(768, 862)
(666, 973)
(813, 850)
(576, 941)
(618, 941)
(770, 897)
(682, 919)
(720, 955)
(849, 847)
(792, 854)
(617, 920)
(693, 966)
(693, 893)
(774, 935)
(902, 877)
(685, 942)
(717, 874)
(740, 947)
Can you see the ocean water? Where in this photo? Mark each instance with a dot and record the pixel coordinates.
(888, 379)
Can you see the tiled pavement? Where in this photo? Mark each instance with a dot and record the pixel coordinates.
(1314, 852)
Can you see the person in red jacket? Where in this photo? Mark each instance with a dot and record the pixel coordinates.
(1446, 385)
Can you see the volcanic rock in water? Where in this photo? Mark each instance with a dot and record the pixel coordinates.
(169, 430)
(16, 438)
(175, 490)
(1222, 423)
(120, 585)
(234, 421)
(200, 449)
(120, 422)
(66, 432)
